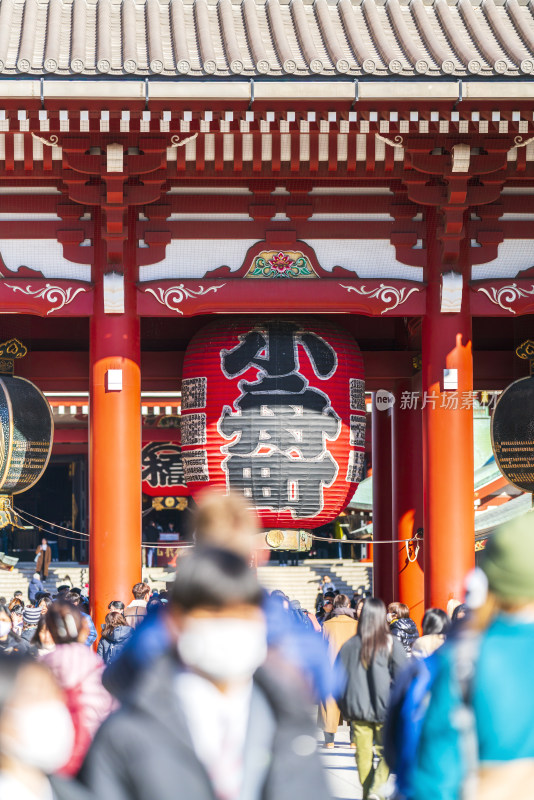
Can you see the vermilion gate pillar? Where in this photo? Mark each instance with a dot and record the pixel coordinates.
(447, 438)
(114, 453)
(382, 527)
(407, 446)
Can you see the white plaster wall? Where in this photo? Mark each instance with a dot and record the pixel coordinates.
(42, 255)
(368, 258)
(514, 256)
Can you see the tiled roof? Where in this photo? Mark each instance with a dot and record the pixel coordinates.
(275, 38)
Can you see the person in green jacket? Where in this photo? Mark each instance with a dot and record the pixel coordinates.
(494, 708)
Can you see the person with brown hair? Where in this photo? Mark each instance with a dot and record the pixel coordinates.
(135, 613)
(337, 629)
(226, 521)
(372, 660)
(115, 634)
(402, 625)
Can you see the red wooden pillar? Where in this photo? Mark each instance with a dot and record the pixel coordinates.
(407, 446)
(114, 451)
(382, 527)
(447, 438)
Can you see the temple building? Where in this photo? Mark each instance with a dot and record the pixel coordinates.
(165, 164)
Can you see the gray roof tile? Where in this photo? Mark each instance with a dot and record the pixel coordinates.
(225, 38)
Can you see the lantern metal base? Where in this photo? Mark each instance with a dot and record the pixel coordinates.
(297, 541)
(8, 516)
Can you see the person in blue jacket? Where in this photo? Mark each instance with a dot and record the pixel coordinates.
(478, 734)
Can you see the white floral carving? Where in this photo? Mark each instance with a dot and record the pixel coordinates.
(384, 293)
(51, 293)
(506, 294)
(175, 295)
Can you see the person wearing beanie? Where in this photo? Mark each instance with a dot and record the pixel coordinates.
(479, 729)
(30, 618)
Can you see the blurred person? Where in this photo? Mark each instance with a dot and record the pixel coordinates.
(115, 634)
(36, 734)
(17, 596)
(372, 660)
(313, 619)
(75, 598)
(43, 603)
(402, 625)
(338, 629)
(43, 557)
(300, 615)
(154, 604)
(325, 612)
(327, 585)
(227, 521)
(10, 642)
(436, 625)
(78, 671)
(30, 618)
(17, 623)
(280, 597)
(116, 605)
(359, 607)
(459, 613)
(220, 520)
(136, 611)
(151, 536)
(34, 587)
(451, 606)
(208, 718)
(478, 728)
(42, 639)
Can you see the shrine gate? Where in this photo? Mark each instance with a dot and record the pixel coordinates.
(376, 159)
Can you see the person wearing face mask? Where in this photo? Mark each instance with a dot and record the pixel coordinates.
(10, 642)
(36, 734)
(209, 719)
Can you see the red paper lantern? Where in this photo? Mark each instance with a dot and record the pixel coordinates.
(275, 409)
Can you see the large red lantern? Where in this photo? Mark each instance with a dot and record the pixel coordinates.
(275, 410)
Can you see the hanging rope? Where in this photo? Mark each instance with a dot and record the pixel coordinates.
(365, 541)
(52, 533)
(52, 524)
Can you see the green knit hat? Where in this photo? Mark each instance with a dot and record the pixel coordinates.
(508, 560)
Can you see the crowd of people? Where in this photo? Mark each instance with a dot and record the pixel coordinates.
(205, 690)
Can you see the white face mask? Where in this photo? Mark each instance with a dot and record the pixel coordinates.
(224, 649)
(43, 738)
(5, 627)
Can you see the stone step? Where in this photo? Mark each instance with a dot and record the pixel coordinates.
(299, 583)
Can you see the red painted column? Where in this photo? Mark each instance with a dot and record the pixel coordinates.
(382, 527)
(114, 451)
(447, 438)
(407, 446)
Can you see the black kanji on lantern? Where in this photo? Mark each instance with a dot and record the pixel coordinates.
(279, 458)
(162, 464)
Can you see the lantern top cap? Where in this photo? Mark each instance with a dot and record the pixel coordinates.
(10, 351)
